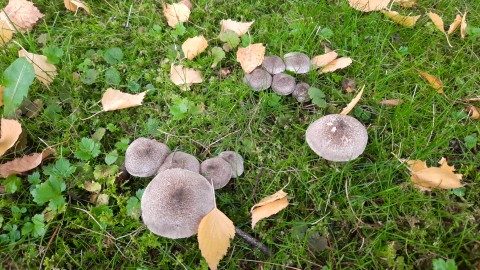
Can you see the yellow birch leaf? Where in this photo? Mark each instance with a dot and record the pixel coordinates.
(194, 46)
(215, 232)
(429, 178)
(390, 102)
(251, 57)
(434, 82)
(115, 100)
(1, 95)
(20, 15)
(473, 112)
(463, 26)
(175, 13)
(338, 63)
(6, 33)
(23, 164)
(368, 5)
(324, 59)
(10, 130)
(455, 24)
(406, 3)
(417, 165)
(269, 206)
(437, 21)
(352, 103)
(184, 76)
(407, 21)
(240, 28)
(44, 71)
(74, 5)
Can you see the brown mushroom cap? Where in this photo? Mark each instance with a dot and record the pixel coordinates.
(175, 202)
(144, 156)
(297, 62)
(301, 92)
(235, 161)
(337, 137)
(182, 160)
(216, 170)
(258, 79)
(283, 84)
(273, 64)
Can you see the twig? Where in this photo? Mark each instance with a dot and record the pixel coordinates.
(49, 243)
(252, 241)
(129, 14)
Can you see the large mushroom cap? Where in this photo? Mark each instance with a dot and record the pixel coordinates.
(216, 170)
(273, 64)
(182, 160)
(301, 92)
(175, 202)
(297, 62)
(258, 79)
(144, 156)
(337, 137)
(235, 161)
(283, 84)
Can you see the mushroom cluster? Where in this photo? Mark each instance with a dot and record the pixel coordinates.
(180, 194)
(271, 74)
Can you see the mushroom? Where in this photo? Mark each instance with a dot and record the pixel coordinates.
(217, 170)
(235, 161)
(297, 62)
(273, 64)
(301, 92)
(258, 79)
(283, 84)
(175, 201)
(337, 137)
(144, 156)
(179, 159)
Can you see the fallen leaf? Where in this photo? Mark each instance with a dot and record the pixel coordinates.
(428, 178)
(10, 130)
(74, 5)
(1, 95)
(437, 21)
(115, 100)
(338, 63)
(187, 3)
(215, 232)
(184, 76)
(324, 59)
(251, 57)
(349, 85)
(269, 206)
(406, 3)
(352, 103)
(434, 82)
(44, 71)
(455, 24)
(463, 26)
(20, 15)
(23, 164)
(475, 99)
(407, 21)
(6, 33)
(240, 28)
(92, 186)
(368, 5)
(473, 112)
(175, 13)
(194, 46)
(391, 102)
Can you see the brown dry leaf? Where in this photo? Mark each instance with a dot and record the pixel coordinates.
(6, 33)
(251, 56)
(10, 130)
(435, 82)
(194, 46)
(323, 59)
(368, 5)
(1, 95)
(269, 206)
(406, 3)
(352, 103)
(184, 76)
(215, 232)
(240, 28)
(437, 20)
(391, 102)
(473, 112)
(44, 71)
(428, 178)
(92, 186)
(338, 63)
(475, 99)
(349, 85)
(175, 13)
(20, 15)
(407, 21)
(455, 24)
(463, 26)
(74, 5)
(23, 164)
(115, 100)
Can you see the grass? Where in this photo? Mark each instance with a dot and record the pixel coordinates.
(366, 210)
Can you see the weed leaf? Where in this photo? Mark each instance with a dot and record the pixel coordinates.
(17, 79)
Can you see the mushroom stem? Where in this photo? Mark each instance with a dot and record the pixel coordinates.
(253, 241)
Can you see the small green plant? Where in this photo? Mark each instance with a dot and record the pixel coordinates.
(113, 55)
(470, 141)
(441, 264)
(133, 204)
(317, 96)
(87, 149)
(183, 107)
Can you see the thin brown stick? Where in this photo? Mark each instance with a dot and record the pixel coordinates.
(253, 241)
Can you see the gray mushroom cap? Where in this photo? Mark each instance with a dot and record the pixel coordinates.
(144, 156)
(235, 161)
(283, 84)
(297, 62)
(181, 160)
(301, 92)
(216, 170)
(273, 64)
(258, 79)
(175, 201)
(337, 137)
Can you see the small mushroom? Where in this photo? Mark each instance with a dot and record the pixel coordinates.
(144, 156)
(258, 79)
(235, 161)
(337, 137)
(273, 64)
(175, 201)
(283, 84)
(216, 170)
(180, 160)
(301, 92)
(297, 62)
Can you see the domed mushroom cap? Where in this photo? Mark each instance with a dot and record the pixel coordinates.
(216, 170)
(283, 84)
(297, 62)
(301, 92)
(235, 161)
(273, 64)
(337, 137)
(175, 201)
(144, 156)
(258, 79)
(182, 160)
